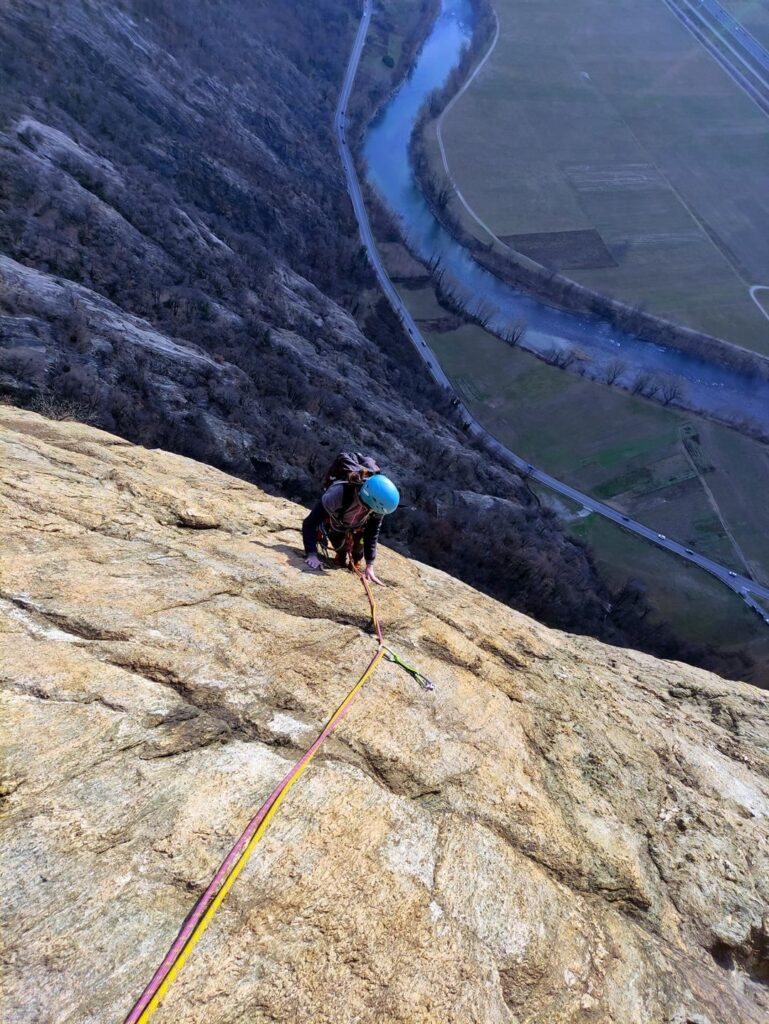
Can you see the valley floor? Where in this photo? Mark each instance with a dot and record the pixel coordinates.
(603, 141)
(691, 479)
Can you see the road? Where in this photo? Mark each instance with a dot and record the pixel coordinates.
(439, 134)
(754, 296)
(741, 56)
(747, 589)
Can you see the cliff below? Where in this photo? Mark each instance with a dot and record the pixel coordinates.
(561, 832)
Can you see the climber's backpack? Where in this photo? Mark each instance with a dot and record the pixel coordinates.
(351, 468)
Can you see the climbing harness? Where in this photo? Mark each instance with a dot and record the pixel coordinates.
(343, 555)
(203, 911)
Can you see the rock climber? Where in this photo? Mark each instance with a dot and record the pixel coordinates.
(348, 517)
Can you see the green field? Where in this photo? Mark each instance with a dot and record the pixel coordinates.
(740, 487)
(691, 479)
(697, 607)
(678, 473)
(602, 140)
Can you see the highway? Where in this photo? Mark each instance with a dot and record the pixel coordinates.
(747, 589)
(740, 55)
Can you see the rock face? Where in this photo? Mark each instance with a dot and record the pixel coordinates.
(561, 832)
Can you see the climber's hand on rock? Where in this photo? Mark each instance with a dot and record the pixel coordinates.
(369, 573)
(314, 562)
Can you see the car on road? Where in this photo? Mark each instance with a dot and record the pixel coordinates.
(626, 519)
(688, 551)
(662, 536)
(732, 573)
(529, 467)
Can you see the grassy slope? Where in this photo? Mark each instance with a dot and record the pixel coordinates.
(389, 40)
(578, 94)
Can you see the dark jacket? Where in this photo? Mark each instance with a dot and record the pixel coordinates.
(342, 512)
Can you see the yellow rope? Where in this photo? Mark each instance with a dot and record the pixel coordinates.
(296, 773)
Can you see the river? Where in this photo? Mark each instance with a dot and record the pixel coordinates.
(721, 392)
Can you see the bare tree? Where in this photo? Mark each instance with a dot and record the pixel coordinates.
(614, 371)
(641, 383)
(670, 390)
(437, 270)
(515, 334)
(483, 313)
(651, 386)
(563, 358)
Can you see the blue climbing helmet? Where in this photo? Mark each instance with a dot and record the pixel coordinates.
(380, 494)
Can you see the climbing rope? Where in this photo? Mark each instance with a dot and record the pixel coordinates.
(203, 911)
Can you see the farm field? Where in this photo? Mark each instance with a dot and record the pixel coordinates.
(603, 141)
(697, 607)
(691, 479)
(638, 456)
(740, 486)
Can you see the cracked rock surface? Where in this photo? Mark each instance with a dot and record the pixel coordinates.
(560, 832)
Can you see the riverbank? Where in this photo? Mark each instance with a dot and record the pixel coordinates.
(381, 74)
(522, 272)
